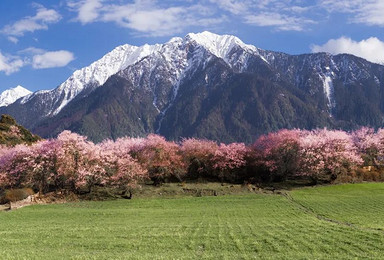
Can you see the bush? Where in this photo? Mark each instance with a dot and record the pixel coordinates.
(370, 173)
(13, 195)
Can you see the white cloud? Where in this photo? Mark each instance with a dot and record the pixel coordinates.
(37, 58)
(88, 10)
(10, 64)
(40, 21)
(52, 59)
(161, 22)
(280, 22)
(371, 49)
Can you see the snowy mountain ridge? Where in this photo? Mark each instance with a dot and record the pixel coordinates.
(126, 55)
(94, 75)
(11, 95)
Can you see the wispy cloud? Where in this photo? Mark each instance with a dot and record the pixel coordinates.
(13, 39)
(345, 6)
(371, 13)
(280, 15)
(371, 49)
(233, 6)
(31, 51)
(298, 14)
(160, 18)
(278, 21)
(146, 16)
(368, 12)
(39, 21)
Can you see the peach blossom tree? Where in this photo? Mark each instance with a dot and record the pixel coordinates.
(327, 153)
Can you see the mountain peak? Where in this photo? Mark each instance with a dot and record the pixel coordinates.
(11, 95)
(219, 45)
(207, 36)
(175, 39)
(19, 88)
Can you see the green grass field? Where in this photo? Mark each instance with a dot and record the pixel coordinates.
(313, 223)
(361, 205)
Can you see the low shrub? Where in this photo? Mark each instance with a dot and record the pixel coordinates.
(13, 195)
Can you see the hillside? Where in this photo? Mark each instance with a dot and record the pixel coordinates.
(12, 133)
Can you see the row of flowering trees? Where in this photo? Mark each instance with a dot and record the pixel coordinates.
(72, 162)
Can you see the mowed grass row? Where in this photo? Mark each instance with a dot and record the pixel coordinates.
(358, 204)
(224, 227)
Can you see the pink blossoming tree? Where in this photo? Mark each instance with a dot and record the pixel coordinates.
(198, 155)
(279, 153)
(161, 158)
(229, 160)
(327, 153)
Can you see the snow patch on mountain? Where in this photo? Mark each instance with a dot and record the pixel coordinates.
(328, 89)
(11, 95)
(326, 78)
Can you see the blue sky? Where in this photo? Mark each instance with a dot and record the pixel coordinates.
(43, 42)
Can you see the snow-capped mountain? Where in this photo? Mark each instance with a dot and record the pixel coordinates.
(123, 56)
(90, 77)
(11, 95)
(207, 85)
(48, 103)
